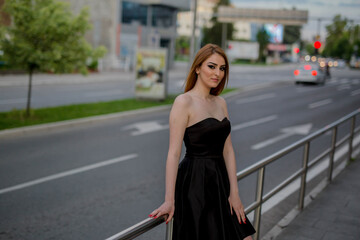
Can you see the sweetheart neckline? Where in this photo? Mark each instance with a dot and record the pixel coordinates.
(206, 119)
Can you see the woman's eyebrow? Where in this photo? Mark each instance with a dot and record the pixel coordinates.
(216, 64)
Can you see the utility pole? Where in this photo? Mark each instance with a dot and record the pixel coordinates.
(192, 41)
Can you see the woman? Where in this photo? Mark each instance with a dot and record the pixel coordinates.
(202, 191)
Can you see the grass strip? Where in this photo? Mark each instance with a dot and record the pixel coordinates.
(16, 118)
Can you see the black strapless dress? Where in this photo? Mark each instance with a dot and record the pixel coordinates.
(202, 209)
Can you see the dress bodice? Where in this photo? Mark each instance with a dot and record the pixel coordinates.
(206, 138)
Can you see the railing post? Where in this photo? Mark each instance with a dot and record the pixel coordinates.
(169, 230)
(304, 174)
(259, 195)
(332, 153)
(352, 129)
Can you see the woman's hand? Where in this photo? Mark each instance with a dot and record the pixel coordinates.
(166, 208)
(237, 206)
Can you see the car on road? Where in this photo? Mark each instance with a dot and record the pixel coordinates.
(308, 72)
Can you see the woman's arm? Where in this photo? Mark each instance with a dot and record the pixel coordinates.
(230, 162)
(178, 121)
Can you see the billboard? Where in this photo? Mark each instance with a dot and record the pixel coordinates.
(150, 73)
(242, 50)
(275, 31)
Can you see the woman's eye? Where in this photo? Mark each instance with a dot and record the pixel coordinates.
(222, 68)
(211, 66)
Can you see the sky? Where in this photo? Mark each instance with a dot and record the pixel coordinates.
(316, 9)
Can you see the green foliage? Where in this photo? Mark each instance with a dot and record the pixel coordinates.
(45, 36)
(310, 48)
(214, 33)
(18, 118)
(263, 39)
(182, 46)
(292, 34)
(341, 38)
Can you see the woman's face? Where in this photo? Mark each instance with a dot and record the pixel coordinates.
(212, 71)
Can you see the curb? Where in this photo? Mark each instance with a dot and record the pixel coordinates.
(309, 198)
(93, 119)
(75, 122)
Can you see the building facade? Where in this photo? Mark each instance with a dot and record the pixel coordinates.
(123, 25)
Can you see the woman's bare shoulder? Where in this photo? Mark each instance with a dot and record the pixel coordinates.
(220, 100)
(182, 102)
(183, 99)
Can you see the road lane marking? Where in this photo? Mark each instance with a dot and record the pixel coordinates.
(256, 98)
(320, 103)
(343, 87)
(145, 127)
(286, 132)
(356, 92)
(312, 173)
(16, 100)
(305, 90)
(254, 122)
(344, 81)
(68, 173)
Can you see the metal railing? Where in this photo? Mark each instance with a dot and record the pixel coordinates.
(259, 167)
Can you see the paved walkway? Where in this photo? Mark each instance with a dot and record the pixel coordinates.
(335, 212)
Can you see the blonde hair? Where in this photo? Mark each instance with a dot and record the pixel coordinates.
(203, 54)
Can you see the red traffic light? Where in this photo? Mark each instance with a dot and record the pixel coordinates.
(296, 50)
(317, 44)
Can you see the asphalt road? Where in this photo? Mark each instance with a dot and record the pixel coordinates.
(54, 90)
(92, 181)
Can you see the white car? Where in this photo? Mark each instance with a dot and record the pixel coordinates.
(310, 73)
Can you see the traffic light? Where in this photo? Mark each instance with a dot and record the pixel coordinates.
(317, 45)
(296, 50)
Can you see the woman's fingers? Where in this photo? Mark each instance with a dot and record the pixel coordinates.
(153, 213)
(171, 214)
(243, 217)
(238, 214)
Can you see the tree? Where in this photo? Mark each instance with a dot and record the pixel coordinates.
(263, 39)
(182, 45)
(45, 36)
(292, 34)
(214, 33)
(338, 39)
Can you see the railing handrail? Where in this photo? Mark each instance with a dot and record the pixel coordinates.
(267, 160)
(150, 223)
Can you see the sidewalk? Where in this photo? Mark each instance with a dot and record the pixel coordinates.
(334, 214)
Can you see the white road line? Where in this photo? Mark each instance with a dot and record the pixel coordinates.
(320, 103)
(303, 129)
(68, 173)
(343, 87)
(356, 92)
(304, 90)
(312, 173)
(145, 127)
(256, 98)
(344, 80)
(16, 100)
(254, 122)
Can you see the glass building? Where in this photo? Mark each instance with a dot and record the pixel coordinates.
(123, 25)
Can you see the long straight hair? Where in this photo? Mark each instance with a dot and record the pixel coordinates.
(203, 54)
